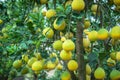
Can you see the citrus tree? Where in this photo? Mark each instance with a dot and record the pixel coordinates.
(71, 39)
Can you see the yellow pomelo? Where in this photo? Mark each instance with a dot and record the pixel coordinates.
(57, 45)
(1, 21)
(115, 75)
(69, 2)
(37, 65)
(43, 1)
(88, 77)
(69, 35)
(44, 13)
(118, 56)
(86, 31)
(88, 49)
(63, 38)
(59, 25)
(87, 24)
(99, 73)
(103, 34)
(88, 69)
(53, 55)
(94, 8)
(111, 62)
(113, 55)
(38, 56)
(61, 34)
(51, 65)
(31, 61)
(44, 63)
(78, 5)
(50, 13)
(72, 65)
(17, 64)
(115, 32)
(116, 2)
(25, 70)
(68, 45)
(48, 32)
(25, 58)
(86, 42)
(59, 67)
(93, 35)
(65, 55)
(56, 60)
(65, 76)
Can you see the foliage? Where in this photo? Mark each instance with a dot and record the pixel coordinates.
(21, 34)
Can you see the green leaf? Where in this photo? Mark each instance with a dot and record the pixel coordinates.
(59, 20)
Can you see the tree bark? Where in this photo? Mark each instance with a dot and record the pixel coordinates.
(80, 52)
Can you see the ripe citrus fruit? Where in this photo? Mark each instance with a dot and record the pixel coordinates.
(94, 8)
(115, 32)
(118, 56)
(103, 34)
(25, 58)
(113, 55)
(69, 2)
(57, 45)
(110, 62)
(44, 13)
(68, 45)
(116, 2)
(88, 77)
(87, 24)
(65, 55)
(99, 73)
(86, 42)
(17, 64)
(59, 24)
(69, 35)
(25, 70)
(43, 1)
(65, 75)
(88, 69)
(48, 32)
(86, 31)
(31, 61)
(72, 65)
(93, 35)
(59, 66)
(78, 5)
(51, 65)
(50, 13)
(38, 55)
(37, 65)
(63, 38)
(115, 75)
(1, 21)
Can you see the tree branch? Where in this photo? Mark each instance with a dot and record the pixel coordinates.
(80, 51)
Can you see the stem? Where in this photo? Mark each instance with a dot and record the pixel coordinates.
(80, 51)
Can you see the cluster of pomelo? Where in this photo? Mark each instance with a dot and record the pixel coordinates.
(65, 46)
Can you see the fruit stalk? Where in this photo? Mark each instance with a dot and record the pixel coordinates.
(80, 52)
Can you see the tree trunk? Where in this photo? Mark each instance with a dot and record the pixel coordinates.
(80, 52)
